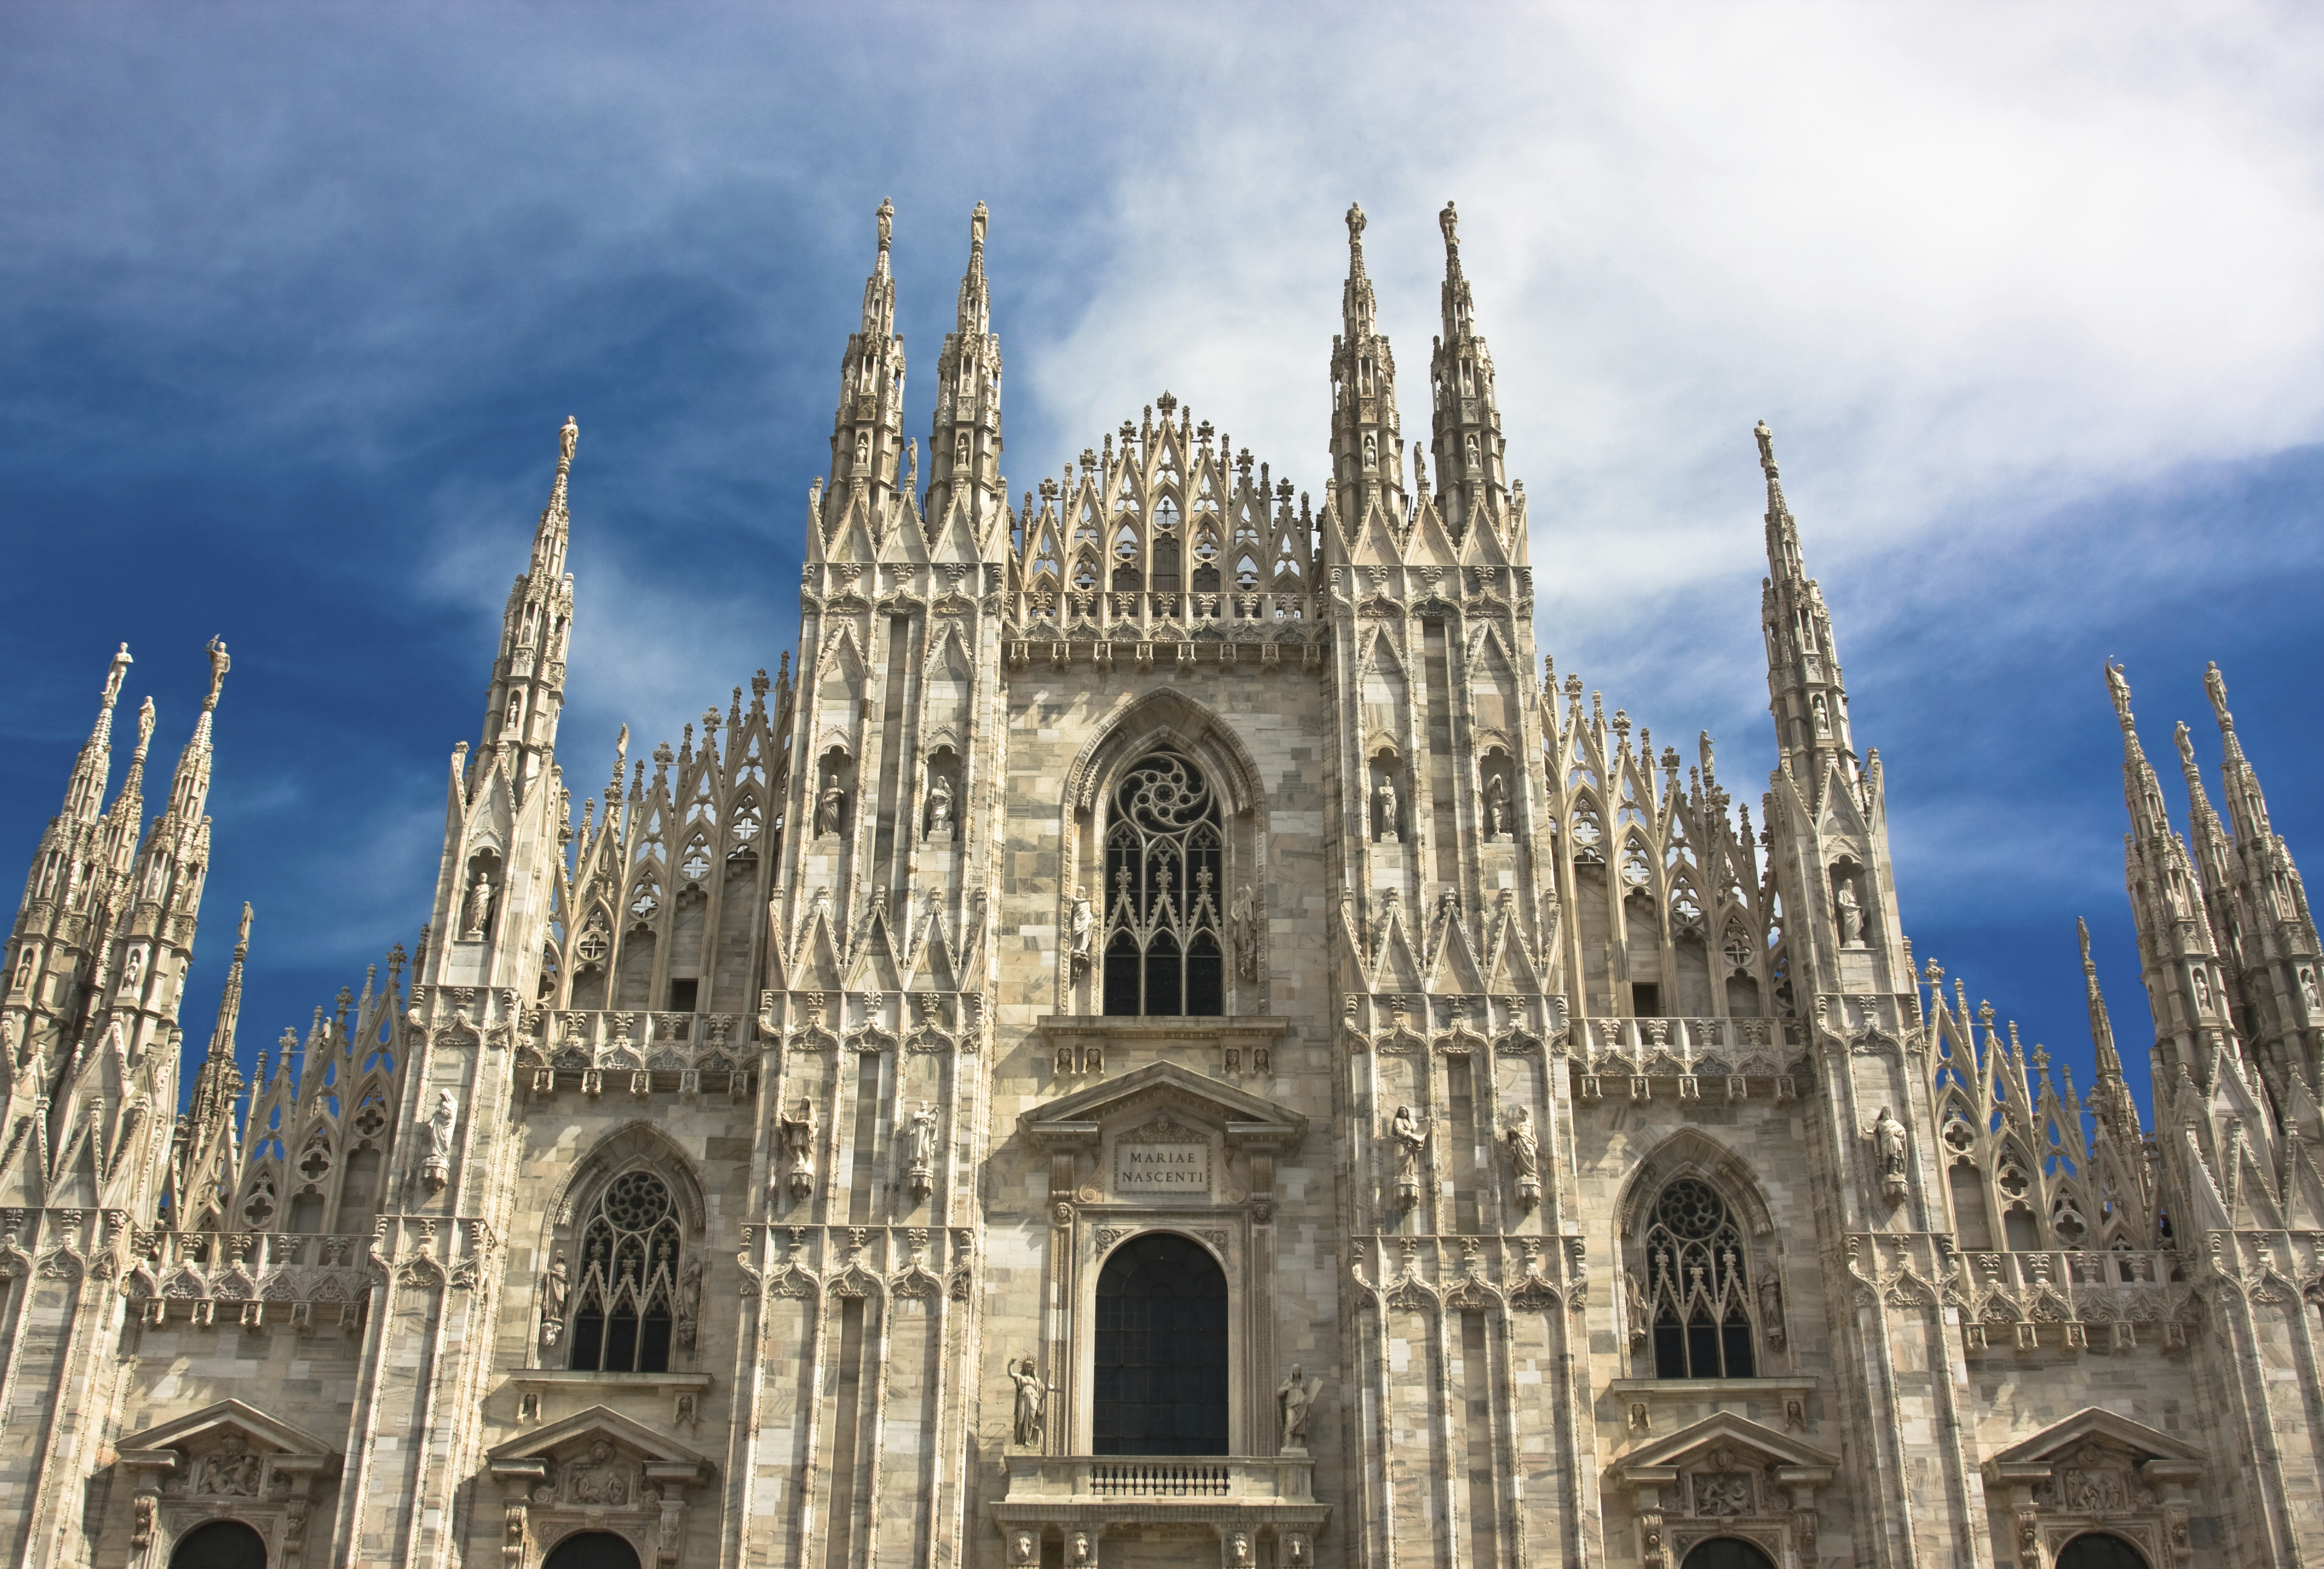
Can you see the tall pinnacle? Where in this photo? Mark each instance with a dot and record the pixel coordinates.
(86, 793)
(549, 541)
(1806, 690)
(1471, 480)
(866, 437)
(2109, 1061)
(1367, 439)
(1357, 306)
(964, 435)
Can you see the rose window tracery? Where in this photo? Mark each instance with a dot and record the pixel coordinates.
(624, 1301)
(1164, 862)
(1699, 1296)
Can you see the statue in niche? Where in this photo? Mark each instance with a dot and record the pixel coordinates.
(1078, 930)
(232, 1469)
(689, 1300)
(479, 909)
(1822, 712)
(555, 1288)
(441, 1125)
(829, 805)
(1246, 936)
(1889, 1145)
(2308, 990)
(515, 715)
(133, 970)
(1771, 1312)
(1371, 450)
(1525, 1146)
(799, 1147)
(1851, 914)
(1411, 1138)
(1032, 1397)
(939, 829)
(1293, 1399)
(923, 1137)
(1384, 797)
(1496, 806)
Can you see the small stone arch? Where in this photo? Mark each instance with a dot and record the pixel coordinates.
(1692, 1152)
(636, 1143)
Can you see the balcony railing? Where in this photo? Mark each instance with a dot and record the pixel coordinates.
(1070, 1478)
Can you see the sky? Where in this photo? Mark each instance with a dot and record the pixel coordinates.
(293, 300)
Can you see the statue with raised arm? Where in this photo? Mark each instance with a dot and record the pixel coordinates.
(1032, 1397)
(1410, 1138)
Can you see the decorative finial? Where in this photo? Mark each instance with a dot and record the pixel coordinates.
(1766, 445)
(977, 221)
(2215, 685)
(1450, 222)
(2118, 689)
(887, 224)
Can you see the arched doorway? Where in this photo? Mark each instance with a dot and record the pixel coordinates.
(2100, 1550)
(220, 1545)
(1161, 1344)
(593, 1550)
(1727, 1553)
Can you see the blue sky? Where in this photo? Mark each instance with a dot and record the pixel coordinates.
(293, 298)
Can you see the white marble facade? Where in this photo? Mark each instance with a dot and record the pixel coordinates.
(1171, 872)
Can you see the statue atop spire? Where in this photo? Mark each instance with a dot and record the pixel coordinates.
(977, 221)
(1356, 238)
(219, 666)
(1766, 448)
(1450, 222)
(2118, 689)
(2215, 685)
(887, 216)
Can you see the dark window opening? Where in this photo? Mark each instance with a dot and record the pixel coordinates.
(1165, 867)
(623, 1300)
(1700, 1297)
(220, 1545)
(1161, 1353)
(682, 994)
(2100, 1550)
(593, 1550)
(1645, 1000)
(1727, 1553)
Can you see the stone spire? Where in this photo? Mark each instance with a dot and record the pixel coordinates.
(1367, 454)
(85, 794)
(1805, 690)
(964, 437)
(1471, 480)
(866, 430)
(526, 693)
(219, 1081)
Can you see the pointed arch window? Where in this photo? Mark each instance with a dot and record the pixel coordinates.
(1699, 1300)
(624, 1302)
(1165, 862)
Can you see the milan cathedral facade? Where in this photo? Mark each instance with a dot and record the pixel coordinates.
(1160, 1041)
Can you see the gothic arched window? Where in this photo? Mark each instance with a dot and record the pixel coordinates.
(623, 1303)
(1699, 1292)
(1161, 1351)
(1163, 867)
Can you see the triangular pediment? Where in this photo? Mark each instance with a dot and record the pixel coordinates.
(1165, 1087)
(2090, 1423)
(1727, 1430)
(596, 1422)
(212, 1423)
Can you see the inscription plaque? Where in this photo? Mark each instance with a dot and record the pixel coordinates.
(1148, 1170)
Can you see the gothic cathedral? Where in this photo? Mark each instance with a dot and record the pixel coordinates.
(1160, 1041)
